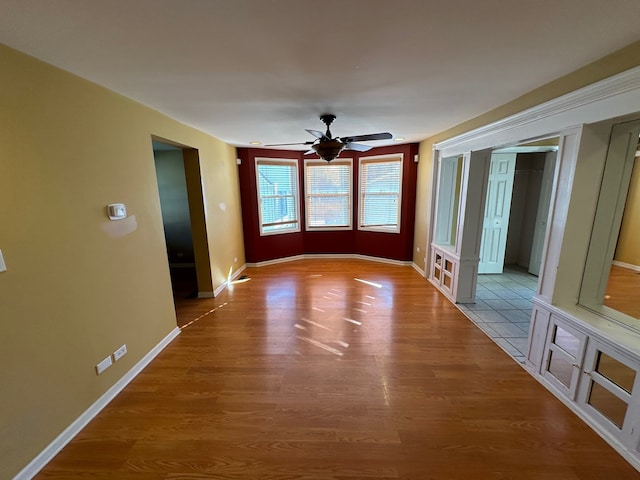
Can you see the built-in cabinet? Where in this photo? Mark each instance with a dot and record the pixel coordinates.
(443, 270)
(581, 349)
(455, 247)
(588, 366)
(563, 355)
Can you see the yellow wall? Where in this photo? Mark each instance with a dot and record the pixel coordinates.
(628, 249)
(617, 62)
(78, 286)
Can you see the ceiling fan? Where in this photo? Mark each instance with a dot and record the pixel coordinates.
(328, 147)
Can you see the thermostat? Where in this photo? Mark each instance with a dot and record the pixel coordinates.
(117, 211)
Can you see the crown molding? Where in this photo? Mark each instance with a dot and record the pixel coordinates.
(622, 83)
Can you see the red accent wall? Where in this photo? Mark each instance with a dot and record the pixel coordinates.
(395, 246)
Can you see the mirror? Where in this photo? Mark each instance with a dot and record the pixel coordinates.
(624, 276)
(612, 272)
(449, 182)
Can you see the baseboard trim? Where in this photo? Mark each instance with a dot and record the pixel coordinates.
(628, 266)
(225, 284)
(206, 294)
(276, 261)
(331, 256)
(44, 457)
(419, 270)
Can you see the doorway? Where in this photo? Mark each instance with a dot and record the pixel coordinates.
(517, 205)
(181, 203)
(516, 208)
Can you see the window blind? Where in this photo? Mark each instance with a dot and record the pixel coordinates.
(277, 184)
(380, 194)
(328, 194)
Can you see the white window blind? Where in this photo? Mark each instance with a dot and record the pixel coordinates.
(277, 184)
(380, 193)
(328, 194)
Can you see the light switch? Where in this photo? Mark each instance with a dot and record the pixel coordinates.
(3, 266)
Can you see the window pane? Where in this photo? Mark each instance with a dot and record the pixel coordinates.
(277, 183)
(380, 210)
(328, 179)
(328, 194)
(380, 189)
(328, 211)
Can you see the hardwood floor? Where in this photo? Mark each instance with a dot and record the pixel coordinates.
(622, 291)
(343, 370)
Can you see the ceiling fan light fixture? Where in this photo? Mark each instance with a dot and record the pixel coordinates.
(328, 149)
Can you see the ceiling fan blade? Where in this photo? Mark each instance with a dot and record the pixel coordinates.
(285, 144)
(317, 134)
(358, 147)
(371, 136)
(309, 152)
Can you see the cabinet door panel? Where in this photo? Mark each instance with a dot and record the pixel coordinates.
(607, 404)
(564, 353)
(607, 388)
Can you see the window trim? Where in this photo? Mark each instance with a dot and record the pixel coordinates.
(295, 195)
(349, 195)
(361, 194)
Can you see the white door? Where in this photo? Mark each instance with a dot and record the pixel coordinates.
(496, 212)
(542, 214)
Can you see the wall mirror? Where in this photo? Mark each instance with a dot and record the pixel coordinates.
(448, 201)
(611, 280)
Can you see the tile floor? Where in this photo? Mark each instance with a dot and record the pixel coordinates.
(503, 308)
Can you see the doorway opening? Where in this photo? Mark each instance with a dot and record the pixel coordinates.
(182, 206)
(516, 208)
(517, 204)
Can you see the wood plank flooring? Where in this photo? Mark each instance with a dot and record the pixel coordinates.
(623, 289)
(341, 370)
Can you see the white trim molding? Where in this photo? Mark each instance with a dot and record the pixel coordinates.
(275, 261)
(226, 283)
(44, 457)
(615, 96)
(331, 256)
(628, 266)
(417, 268)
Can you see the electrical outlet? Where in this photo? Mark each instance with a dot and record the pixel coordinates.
(103, 365)
(119, 353)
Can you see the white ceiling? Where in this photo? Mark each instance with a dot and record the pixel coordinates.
(245, 70)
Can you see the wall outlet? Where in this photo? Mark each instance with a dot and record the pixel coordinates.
(103, 365)
(3, 266)
(119, 353)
